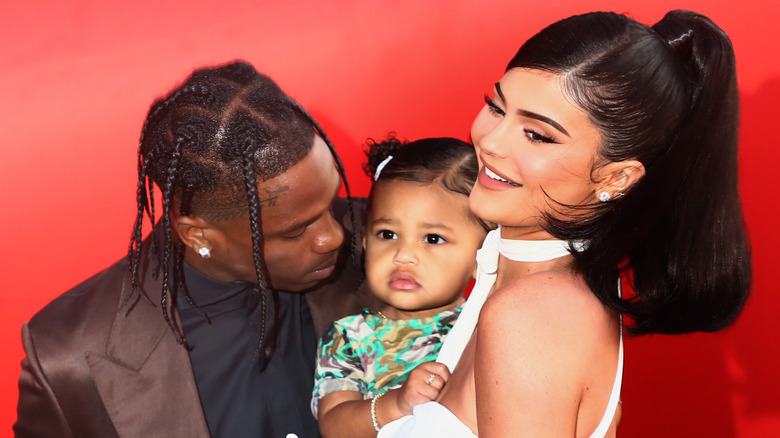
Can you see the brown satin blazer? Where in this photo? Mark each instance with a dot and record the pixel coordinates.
(97, 368)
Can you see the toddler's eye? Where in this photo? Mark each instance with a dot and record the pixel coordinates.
(433, 239)
(386, 234)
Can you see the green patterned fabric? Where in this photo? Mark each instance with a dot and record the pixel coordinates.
(370, 354)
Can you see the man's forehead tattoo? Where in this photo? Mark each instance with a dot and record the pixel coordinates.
(273, 194)
(237, 208)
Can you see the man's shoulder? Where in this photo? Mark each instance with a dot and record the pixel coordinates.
(77, 310)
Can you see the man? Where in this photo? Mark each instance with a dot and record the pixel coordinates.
(209, 326)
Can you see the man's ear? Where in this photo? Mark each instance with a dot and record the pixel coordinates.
(618, 177)
(192, 231)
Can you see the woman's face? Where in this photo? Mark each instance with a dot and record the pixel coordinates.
(535, 148)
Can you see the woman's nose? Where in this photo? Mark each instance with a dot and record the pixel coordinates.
(494, 140)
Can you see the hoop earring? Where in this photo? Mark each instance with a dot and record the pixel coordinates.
(604, 197)
(204, 252)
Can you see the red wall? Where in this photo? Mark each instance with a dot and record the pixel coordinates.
(76, 79)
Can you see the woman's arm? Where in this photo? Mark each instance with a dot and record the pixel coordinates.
(532, 342)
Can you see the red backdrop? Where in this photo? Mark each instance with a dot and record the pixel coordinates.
(76, 78)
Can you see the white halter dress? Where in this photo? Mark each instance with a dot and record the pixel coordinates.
(432, 419)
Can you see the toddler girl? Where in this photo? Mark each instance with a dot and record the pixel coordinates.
(420, 241)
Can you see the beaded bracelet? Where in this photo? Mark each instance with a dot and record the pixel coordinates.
(373, 410)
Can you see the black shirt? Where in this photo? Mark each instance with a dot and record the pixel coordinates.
(238, 399)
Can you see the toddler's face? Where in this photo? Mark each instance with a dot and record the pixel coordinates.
(420, 246)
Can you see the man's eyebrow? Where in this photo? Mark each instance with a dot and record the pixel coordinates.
(533, 115)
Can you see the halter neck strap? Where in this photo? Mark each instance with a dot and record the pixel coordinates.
(537, 250)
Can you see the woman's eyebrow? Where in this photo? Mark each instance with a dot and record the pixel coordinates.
(533, 115)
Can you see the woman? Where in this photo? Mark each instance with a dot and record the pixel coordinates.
(606, 146)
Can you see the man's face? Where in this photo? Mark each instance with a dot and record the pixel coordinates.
(301, 239)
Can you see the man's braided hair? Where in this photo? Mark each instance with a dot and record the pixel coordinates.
(207, 145)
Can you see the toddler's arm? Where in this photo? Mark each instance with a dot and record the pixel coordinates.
(345, 413)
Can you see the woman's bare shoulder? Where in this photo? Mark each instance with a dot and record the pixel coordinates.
(543, 307)
(535, 340)
(554, 291)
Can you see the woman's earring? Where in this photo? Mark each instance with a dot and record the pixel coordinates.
(604, 197)
(204, 252)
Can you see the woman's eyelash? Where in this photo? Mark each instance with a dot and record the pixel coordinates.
(493, 107)
(533, 136)
(536, 137)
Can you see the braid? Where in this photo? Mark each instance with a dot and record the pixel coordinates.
(143, 201)
(133, 251)
(151, 212)
(169, 246)
(206, 146)
(184, 210)
(342, 173)
(253, 200)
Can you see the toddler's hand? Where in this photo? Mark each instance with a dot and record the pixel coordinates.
(423, 385)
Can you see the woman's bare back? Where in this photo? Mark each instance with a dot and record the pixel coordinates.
(594, 379)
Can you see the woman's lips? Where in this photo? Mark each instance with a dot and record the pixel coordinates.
(490, 179)
(403, 281)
